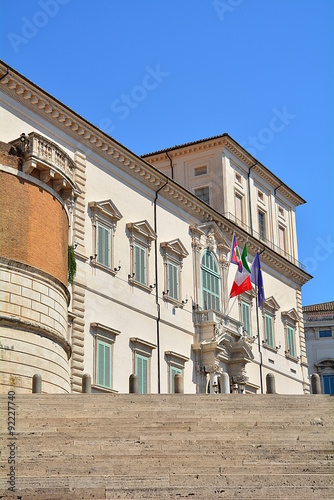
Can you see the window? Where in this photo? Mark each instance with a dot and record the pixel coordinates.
(103, 366)
(141, 236)
(176, 363)
(203, 194)
(328, 384)
(245, 314)
(281, 235)
(238, 208)
(104, 339)
(141, 356)
(210, 282)
(262, 232)
(200, 171)
(103, 244)
(269, 330)
(290, 321)
(173, 254)
(173, 285)
(269, 308)
(325, 333)
(291, 341)
(139, 264)
(142, 373)
(104, 217)
(173, 371)
(238, 178)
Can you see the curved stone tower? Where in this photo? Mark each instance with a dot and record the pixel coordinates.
(36, 179)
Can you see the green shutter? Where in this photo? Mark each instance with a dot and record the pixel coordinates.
(173, 371)
(210, 282)
(139, 268)
(103, 245)
(245, 316)
(142, 373)
(291, 341)
(103, 369)
(173, 281)
(269, 330)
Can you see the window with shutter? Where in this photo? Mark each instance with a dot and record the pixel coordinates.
(103, 245)
(269, 330)
(210, 282)
(281, 233)
(262, 225)
(245, 311)
(328, 383)
(173, 371)
(173, 285)
(139, 264)
(103, 369)
(291, 341)
(142, 373)
(238, 208)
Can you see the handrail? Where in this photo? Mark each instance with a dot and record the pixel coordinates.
(267, 242)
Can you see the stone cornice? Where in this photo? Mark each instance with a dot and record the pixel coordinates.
(40, 102)
(42, 330)
(46, 106)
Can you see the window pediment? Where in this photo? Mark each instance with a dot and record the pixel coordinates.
(271, 303)
(176, 247)
(142, 228)
(106, 208)
(104, 330)
(142, 346)
(291, 315)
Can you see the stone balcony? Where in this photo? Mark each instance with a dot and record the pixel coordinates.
(44, 159)
(222, 344)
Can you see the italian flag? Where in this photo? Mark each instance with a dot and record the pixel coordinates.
(242, 281)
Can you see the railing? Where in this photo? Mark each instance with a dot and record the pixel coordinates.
(38, 147)
(211, 316)
(265, 241)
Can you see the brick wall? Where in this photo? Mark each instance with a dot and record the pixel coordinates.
(33, 226)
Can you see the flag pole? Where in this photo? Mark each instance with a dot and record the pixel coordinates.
(258, 336)
(229, 298)
(231, 305)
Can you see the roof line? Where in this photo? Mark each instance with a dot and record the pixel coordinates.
(221, 136)
(70, 110)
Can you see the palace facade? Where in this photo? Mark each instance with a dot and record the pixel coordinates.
(152, 238)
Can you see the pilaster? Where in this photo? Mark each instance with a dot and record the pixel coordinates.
(303, 358)
(78, 288)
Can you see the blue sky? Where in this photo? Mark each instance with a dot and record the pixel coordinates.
(155, 73)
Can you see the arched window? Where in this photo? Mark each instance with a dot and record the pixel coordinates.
(210, 282)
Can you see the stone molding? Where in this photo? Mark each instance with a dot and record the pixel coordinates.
(9, 264)
(43, 331)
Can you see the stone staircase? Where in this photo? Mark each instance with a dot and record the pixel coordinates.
(169, 446)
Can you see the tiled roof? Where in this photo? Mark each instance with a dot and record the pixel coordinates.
(178, 146)
(324, 306)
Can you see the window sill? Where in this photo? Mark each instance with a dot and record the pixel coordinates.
(174, 302)
(146, 288)
(104, 268)
(269, 347)
(291, 358)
